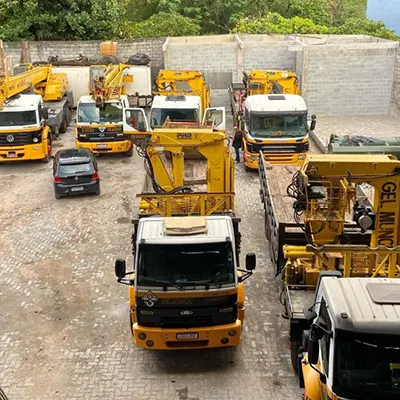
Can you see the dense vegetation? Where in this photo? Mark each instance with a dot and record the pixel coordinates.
(111, 19)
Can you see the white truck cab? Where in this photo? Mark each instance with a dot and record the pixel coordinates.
(184, 108)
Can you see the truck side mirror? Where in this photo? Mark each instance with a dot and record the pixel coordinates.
(142, 126)
(120, 268)
(250, 262)
(313, 349)
(45, 113)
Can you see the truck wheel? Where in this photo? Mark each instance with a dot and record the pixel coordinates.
(131, 322)
(294, 355)
(49, 150)
(129, 153)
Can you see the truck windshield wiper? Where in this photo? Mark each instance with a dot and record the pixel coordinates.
(164, 283)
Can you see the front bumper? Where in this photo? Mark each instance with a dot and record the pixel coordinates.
(36, 151)
(208, 337)
(105, 147)
(295, 159)
(67, 190)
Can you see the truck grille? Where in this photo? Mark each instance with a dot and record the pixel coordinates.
(15, 139)
(102, 137)
(172, 317)
(278, 148)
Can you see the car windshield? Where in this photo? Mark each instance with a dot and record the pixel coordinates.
(190, 264)
(159, 115)
(76, 169)
(13, 118)
(368, 365)
(89, 113)
(266, 126)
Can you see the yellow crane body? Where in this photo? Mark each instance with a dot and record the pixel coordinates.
(326, 196)
(183, 82)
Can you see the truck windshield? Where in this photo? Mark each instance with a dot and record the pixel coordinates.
(12, 118)
(368, 366)
(266, 126)
(159, 115)
(89, 113)
(189, 264)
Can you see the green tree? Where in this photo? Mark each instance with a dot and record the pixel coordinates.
(164, 24)
(273, 23)
(69, 19)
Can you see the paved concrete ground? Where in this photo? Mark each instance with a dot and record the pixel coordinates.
(365, 125)
(64, 320)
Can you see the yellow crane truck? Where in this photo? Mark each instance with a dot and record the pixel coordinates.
(34, 104)
(335, 229)
(100, 115)
(268, 108)
(186, 289)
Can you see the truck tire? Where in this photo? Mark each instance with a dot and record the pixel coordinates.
(49, 150)
(129, 153)
(131, 322)
(294, 355)
(64, 125)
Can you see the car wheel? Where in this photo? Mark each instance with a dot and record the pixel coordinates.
(58, 196)
(129, 153)
(97, 192)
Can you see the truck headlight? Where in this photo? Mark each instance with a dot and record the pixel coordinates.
(35, 140)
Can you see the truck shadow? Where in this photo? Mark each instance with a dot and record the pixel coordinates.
(195, 361)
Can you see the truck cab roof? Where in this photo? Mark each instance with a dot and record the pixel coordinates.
(264, 103)
(366, 305)
(176, 102)
(89, 99)
(185, 230)
(23, 101)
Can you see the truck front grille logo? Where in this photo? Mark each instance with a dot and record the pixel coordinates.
(10, 138)
(102, 129)
(186, 312)
(150, 299)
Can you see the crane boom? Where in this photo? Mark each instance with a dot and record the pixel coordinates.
(50, 86)
(110, 84)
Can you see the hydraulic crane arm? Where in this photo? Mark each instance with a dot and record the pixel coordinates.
(325, 191)
(51, 86)
(271, 81)
(181, 82)
(110, 84)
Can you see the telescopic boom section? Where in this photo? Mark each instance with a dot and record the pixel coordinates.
(51, 87)
(110, 85)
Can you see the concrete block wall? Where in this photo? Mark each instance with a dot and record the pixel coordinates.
(395, 100)
(40, 51)
(267, 56)
(349, 80)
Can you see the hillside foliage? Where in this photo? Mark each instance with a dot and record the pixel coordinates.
(113, 19)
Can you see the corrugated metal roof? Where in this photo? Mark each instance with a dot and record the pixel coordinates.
(354, 309)
(262, 102)
(151, 229)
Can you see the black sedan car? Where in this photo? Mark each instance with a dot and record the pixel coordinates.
(75, 171)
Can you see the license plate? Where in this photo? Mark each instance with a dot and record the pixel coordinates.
(77, 189)
(12, 154)
(187, 336)
(101, 146)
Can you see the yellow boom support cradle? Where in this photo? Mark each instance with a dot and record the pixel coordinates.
(50, 86)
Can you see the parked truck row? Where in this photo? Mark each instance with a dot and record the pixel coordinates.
(335, 250)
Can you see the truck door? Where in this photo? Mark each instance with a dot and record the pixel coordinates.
(135, 121)
(215, 115)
